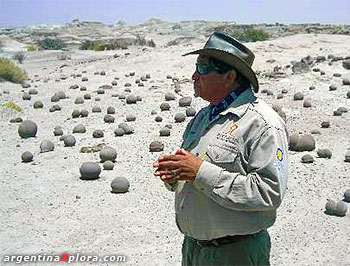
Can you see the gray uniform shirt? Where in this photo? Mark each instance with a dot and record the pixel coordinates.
(243, 177)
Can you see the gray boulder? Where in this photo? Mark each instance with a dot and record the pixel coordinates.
(302, 143)
(69, 141)
(27, 157)
(27, 129)
(46, 146)
(108, 154)
(89, 171)
(120, 185)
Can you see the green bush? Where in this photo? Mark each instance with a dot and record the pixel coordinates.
(251, 35)
(9, 71)
(52, 44)
(31, 48)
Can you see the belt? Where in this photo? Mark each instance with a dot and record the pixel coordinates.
(222, 240)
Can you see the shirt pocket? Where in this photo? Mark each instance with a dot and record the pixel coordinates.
(222, 154)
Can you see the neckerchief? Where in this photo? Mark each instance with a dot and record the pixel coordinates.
(227, 101)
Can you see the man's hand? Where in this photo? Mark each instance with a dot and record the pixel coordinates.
(183, 165)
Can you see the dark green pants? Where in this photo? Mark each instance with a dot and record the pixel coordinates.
(247, 250)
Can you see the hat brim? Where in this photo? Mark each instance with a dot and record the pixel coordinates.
(232, 60)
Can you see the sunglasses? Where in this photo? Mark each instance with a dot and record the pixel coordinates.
(205, 69)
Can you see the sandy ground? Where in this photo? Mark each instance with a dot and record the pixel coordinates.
(47, 209)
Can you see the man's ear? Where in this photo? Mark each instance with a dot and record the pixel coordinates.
(229, 77)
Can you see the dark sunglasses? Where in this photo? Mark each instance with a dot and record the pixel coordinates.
(205, 69)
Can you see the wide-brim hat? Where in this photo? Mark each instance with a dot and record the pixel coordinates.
(227, 49)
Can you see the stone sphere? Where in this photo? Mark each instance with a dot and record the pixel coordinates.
(131, 99)
(307, 158)
(130, 117)
(190, 112)
(325, 124)
(341, 208)
(89, 171)
(185, 101)
(80, 128)
(96, 109)
(169, 96)
(26, 96)
(158, 119)
(87, 96)
(165, 107)
(108, 154)
(46, 146)
(118, 132)
(164, 132)
(180, 117)
(307, 104)
(79, 100)
(108, 165)
(75, 113)
(120, 185)
(69, 141)
(27, 157)
(298, 96)
(27, 129)
(55, 98)
(33, 92)
(98, 133)
(331, 207)
(108, 118)
(58, 132)
(84, 113)
(332, 87)
(38, 105)
(156, 146)
(127, 128)
(347, 196)
(324, 153)
(110, 110)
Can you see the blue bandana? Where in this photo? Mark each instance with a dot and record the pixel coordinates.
(227, 101)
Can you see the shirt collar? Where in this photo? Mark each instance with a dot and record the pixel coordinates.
(238, 106)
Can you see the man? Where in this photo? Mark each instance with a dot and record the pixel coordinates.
(230, 174)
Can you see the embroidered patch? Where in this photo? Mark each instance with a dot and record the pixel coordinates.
(279, 154)
(231, 129)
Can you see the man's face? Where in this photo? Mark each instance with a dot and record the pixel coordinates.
(209, 86)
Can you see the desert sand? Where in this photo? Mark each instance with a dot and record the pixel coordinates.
(46, 208)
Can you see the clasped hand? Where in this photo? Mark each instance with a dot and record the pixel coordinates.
(182, 165)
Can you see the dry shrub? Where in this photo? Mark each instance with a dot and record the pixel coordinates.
(10, 72)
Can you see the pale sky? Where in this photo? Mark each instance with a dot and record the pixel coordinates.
(17, 13)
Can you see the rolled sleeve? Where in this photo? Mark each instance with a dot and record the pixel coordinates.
(262, 188)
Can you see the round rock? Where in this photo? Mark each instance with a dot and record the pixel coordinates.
(190, 112)
(46, 146)
(89, 171)
(131, 99)
(98, 133)
(75, 113)
(298, 96)
(185, 101)
(127, 128)
(84, 113)
(108, 165)
(165, 107)
(341, 208)
(27, 157)
(164, 132)
(69, 141)
(27, 129)
(347, 196)
(110, 110)
(38, 105)
(108, 118)
(80, 128)
(324, 153)
(156, 146)
(120, 185)
(118, 132)
(307, 158)
(169, 96)
(130, 117)
(79, 100)
(180, 117)
(108, 154)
